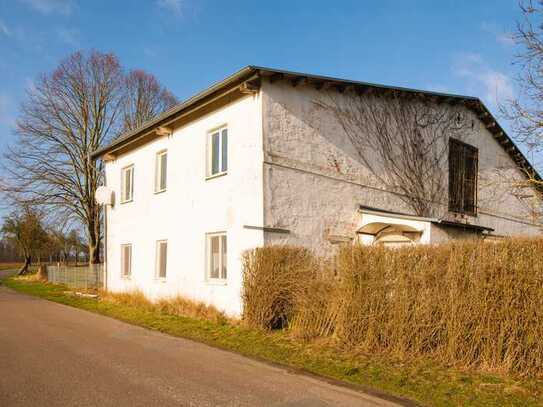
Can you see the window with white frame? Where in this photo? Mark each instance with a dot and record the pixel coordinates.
(216, 256)
(127, 184)
(161, 171)
(126, 260)
(161, 258)
(217, 154)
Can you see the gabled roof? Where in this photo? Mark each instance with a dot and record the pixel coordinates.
(251, 73)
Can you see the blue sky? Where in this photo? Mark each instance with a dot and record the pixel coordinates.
(447, 45)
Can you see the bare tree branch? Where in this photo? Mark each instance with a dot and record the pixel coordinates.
(402, 141)
(84, 104)
(525, 112)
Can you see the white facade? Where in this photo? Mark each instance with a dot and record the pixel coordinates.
(314, 183)
(192, 206)
(291, 179)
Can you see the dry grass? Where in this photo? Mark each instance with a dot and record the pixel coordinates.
(10, 266)
(470, 304)
(182, 307)
(421, 379)
(177, 306)
(273, 278)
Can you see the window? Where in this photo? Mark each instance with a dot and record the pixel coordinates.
(161, 171)
(161, 258)
(216, 256)
(126, 260)
(127, 184)
(463, 166)
(217, 145)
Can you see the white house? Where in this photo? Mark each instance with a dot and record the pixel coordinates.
(253, 160)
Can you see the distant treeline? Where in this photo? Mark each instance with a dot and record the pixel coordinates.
(9, 253)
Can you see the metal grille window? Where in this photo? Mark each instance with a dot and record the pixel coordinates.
(127, 184)
(161, 258)
(126, 260)
(217, 152)
(216, 256)
(161, 171)
(463, 167)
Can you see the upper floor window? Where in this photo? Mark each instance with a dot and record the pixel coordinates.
(463, 167)
(161, 258)
(217, 145)
(127, 184)
(161, 171)
(216, 256)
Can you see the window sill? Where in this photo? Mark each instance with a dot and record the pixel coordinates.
(216, 282)
(220, 174)
(126, 202)
(470, 214)
(161, 191)
(160, 279)
(126, 278)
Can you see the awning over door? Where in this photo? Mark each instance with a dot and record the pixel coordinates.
(389, 228)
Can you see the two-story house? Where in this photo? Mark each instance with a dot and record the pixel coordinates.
(259, 159)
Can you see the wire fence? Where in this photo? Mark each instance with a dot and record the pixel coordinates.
(89, 276)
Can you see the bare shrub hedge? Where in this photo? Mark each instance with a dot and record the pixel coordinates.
(468, 303)
(272, 281)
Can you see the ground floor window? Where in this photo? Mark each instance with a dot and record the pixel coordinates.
(161, 258)
(126, 260)
(216, 256)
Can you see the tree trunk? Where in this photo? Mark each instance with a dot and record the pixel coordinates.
(94, 238)
(26, 265)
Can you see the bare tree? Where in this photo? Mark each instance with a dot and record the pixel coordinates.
(526, 111)
(67, 115)
(402, 140)
(145, 98)
(24, 229)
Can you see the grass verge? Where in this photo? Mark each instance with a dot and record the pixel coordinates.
(421, 380)
(10, 266)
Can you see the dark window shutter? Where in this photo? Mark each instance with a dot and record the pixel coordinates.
(463, 167)
(470, 180)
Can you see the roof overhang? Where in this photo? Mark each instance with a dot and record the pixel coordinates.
(381, 218)
(241, 81)
(465, 226)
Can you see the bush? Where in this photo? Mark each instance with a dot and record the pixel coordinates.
(272, 281)
(468, 303)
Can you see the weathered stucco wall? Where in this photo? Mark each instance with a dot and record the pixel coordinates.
(314, 180)
(190, 208)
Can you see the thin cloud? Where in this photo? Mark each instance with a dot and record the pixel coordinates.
(502, 37)
(498, 86)
(4, 30)
(69, 36)
(481, 80)
(150, 52)
(64, 7)
(173, 6)
(6, 110)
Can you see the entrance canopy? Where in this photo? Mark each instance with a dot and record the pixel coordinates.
(391, 229)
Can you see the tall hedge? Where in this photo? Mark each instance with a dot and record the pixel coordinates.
(469, 303)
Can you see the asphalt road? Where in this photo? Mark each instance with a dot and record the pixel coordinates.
(54, 355)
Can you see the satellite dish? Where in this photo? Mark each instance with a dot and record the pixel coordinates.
(104, 196)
